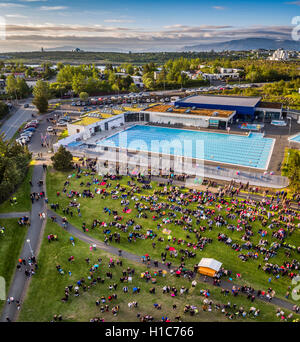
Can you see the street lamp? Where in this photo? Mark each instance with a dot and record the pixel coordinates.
(31, 251)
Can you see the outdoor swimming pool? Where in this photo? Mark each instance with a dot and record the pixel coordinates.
(296, 138)
(250, 151)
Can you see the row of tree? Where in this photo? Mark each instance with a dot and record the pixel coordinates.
(14, 161)
(3, 109)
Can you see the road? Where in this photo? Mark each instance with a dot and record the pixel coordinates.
(11, 125)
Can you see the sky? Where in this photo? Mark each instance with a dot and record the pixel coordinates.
(139, 26)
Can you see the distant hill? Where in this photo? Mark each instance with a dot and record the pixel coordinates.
(247, 44)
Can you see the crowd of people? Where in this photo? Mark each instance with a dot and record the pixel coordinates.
(195, 211)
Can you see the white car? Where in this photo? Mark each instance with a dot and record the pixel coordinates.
(24, 135)
(50, 129)
(22, 141)
(61, 123)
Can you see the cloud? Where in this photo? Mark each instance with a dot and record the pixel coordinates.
(219, 8)
(15, 16)
(297, 3)
(10, 5)
(53, 8)
(118, 21)
(56, 29)
(114, 38)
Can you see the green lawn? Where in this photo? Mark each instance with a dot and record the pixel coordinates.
(93, 208)
(47, 286)
(23, 196)
(10, 247)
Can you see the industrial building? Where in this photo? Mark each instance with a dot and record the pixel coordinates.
(245, 108)
(188, 117)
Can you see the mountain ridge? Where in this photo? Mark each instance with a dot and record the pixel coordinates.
(247, 44)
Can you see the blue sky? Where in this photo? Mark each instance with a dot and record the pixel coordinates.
(141, 25)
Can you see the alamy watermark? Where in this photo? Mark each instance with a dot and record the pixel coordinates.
(2, 289)
(2, 28)
(160, 156)
(296, 30)
(296, 289)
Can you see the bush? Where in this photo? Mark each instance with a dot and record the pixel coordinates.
(14, 160)
(3, 109)
(62, 159)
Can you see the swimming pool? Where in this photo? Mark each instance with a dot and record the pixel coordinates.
(252, 151)
(295, 138)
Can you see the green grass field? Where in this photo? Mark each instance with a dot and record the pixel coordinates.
(93, 209)
(47, 286)
(10, 247)
(22, 194)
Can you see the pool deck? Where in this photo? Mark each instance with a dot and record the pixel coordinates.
(225, 172)
(292, 138)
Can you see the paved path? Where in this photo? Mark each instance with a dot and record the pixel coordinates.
(14, 215)
(133, 257)
(35, 231)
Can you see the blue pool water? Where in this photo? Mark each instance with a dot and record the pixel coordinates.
(296, 138)
(75, 143)
(253, 150)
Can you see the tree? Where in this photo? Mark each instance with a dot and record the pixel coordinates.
(79, 83)
(133, 88)
(84, 96)
(3, 109)
(11, 86)
(62, 159)
(115, 88)
(14, 160)
(41, 104)
(293, 169)
(41, 93)
(22, 88)
(41, 89)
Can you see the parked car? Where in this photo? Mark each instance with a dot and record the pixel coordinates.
(30, 126)
(26, 105)
(29, 134)
(29, 129)
(23, 139)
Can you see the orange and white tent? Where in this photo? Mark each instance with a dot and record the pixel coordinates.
(209, 267)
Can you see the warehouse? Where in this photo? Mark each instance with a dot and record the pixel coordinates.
(176, 116)
(246, 108)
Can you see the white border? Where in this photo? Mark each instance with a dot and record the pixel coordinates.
(294, 136)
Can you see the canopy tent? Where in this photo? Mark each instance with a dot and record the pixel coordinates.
(209, 267)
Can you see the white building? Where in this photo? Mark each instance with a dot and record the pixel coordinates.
(138, 81)
(229, 70)
(233, 75)
(279, 55)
